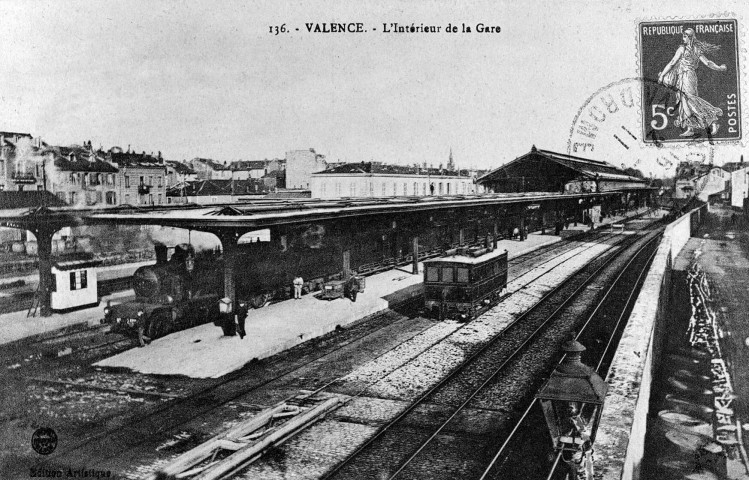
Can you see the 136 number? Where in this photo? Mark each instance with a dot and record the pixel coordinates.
(276, 29)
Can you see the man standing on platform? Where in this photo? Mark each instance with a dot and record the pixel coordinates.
(298, 282)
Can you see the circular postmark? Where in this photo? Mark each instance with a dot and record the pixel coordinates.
(610, 126)
(44, 441)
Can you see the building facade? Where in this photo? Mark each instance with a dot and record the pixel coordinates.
(20, 164)
(141, 177)
(178, 173)
(81, 176)
(371, 179)
(207, 169)
(739, 186)
(705, 182)
(212, 192)
(300, 165)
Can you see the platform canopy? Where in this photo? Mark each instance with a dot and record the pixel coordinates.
(546, 171)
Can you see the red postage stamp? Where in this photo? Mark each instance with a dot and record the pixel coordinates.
(693, 88)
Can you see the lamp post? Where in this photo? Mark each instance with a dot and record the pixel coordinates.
(572, 402)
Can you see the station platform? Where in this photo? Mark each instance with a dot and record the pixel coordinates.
(203, 352)
(16, 326)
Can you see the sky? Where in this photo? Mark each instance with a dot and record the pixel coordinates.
(210, 79)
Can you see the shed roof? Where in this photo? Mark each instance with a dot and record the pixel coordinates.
(587, 167)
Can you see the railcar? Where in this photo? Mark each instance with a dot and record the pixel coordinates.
(464, 282)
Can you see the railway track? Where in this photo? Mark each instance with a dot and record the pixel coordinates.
(600, 337)
(408, 446)
(205, 400)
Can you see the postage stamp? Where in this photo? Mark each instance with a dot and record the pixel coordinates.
(692, 92)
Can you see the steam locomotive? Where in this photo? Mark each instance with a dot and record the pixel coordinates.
(172, 295)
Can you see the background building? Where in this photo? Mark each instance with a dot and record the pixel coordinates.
(300, 165)
(142, 177)
(81, 176)
(374, 179)
(19, 162)
(704, 181)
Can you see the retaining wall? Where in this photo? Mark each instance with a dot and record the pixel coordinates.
(620, 440)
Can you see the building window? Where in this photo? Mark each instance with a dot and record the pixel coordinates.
(384, 187)
(61, 196)
(72, 198)
(448, 189)
(150, 198)
(39, 187)
(78, 280)
(371, 189)
(127, 197)
(395, 189)
(127, 181)
(168, 200)
(142, 179)
(424, 189)
(159, 199)
(338, 189)
(159, 180)
(440, 188)
(2, 168)
(111, 198)
(213, 199)
(352, 189)
(110, 179)
(150, 180)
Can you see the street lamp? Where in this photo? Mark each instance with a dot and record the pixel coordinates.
(572, 402)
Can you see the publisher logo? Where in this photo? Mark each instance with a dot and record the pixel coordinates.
(44, 441)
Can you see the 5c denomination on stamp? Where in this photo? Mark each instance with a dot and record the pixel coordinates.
(694, 92)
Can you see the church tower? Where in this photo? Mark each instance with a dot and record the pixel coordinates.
(450, 162)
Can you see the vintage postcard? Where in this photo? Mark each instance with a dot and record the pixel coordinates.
(333, 240)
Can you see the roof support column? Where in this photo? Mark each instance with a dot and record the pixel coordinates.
(415, 253)
(44, 250)
(229, 244)
(522, 224)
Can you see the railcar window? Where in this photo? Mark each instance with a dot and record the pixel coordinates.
(447, 275)
(432, 274)
(462, 275)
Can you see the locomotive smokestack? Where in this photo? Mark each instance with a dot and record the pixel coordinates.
(161, 252)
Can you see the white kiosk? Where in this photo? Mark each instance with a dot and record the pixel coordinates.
(74, 284)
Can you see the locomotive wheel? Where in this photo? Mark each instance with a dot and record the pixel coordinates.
(155, 328)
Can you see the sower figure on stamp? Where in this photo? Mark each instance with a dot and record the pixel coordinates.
(681, 73)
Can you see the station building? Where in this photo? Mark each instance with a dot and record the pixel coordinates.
(375, 179)
(546, 171)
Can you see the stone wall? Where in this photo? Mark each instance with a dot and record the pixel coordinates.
(620, 440)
